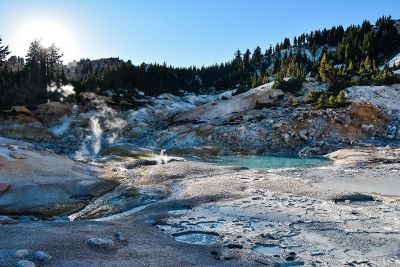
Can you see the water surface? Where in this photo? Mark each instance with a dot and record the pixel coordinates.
(268, 162)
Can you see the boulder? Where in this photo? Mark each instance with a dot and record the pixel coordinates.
(16, 155)
(45, 183)
(53, 112)
(42, 256)
(22, 253)
(6, 220)
(55, 109)
(101, 243)
(20, 109)
(260, 97)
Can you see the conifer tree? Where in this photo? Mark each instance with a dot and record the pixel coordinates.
(256, 59)
(341, 98)
(4, 52)
(326, 69)
(322, 101)
(332, 101)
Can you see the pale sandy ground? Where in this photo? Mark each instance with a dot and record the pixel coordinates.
(292, 211)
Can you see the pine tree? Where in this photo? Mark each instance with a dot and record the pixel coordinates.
(341, 98)
(322, 101)
(33, 59)
(54, 59)
(256, 59)
(350, 67)
(332, 101)
(326, 70)
(238, 61)
(246, 61)
(4, 52)
(286, 43)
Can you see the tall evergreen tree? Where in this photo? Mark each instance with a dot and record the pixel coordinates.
(256, 59)
(4, 52)
(54, 60)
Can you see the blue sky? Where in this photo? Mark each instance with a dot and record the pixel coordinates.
(179, 32)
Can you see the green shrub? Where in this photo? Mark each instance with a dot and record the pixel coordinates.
(292, 85)
(312, 97)
(293, 102)
(326, 100)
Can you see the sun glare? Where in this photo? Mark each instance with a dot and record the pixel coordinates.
(48, 31)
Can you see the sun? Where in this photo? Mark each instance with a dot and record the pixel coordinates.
(48, 31)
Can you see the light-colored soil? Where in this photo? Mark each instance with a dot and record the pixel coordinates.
(334, 215)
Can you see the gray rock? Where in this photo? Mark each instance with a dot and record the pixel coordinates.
(22, 253)
(44, 184)
(120, 236)
(303, 135)
(17, 155)
(365, 127)
(42, 256)
(101, 243)
(26, 263)
(321, 143)
(277, 125)
(285, 137)
(6, 220)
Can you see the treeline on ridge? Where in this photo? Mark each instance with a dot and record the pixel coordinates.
(341, 57)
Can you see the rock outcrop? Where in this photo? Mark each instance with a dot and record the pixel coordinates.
(43, 183)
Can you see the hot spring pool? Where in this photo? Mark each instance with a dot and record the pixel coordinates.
(267, 162)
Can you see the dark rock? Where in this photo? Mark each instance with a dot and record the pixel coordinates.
(354, 197)
(234, 246)
(140, 162)
(290, 258)
(317, 253)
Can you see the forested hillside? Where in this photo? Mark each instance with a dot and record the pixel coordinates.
(341, 57)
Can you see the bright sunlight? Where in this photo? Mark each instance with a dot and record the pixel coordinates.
(48, 31)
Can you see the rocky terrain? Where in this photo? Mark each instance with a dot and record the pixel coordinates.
(95, 179)
(342, 213)
(259, 121)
